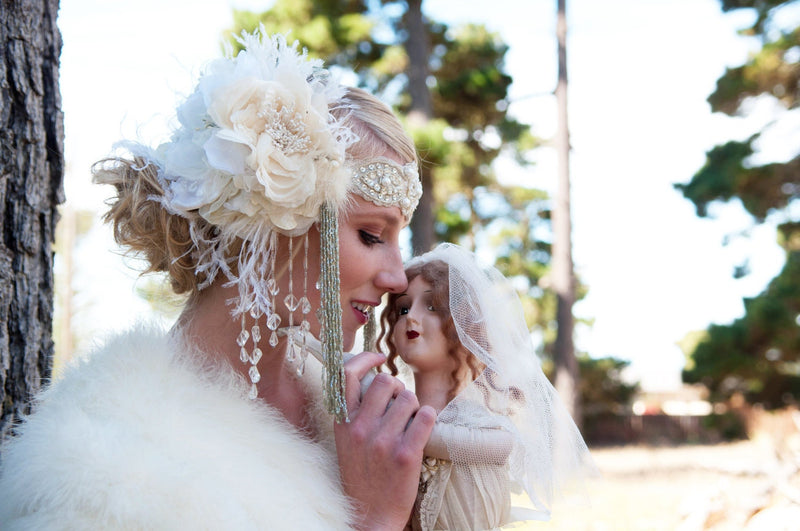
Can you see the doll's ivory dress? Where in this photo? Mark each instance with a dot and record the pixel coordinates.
(463, 495)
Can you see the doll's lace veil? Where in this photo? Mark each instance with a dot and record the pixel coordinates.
(548, 456)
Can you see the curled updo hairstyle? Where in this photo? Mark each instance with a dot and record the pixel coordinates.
(147, 229)
(435, 273)
(143, 226)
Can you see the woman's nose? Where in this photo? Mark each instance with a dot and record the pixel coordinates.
(392, 276)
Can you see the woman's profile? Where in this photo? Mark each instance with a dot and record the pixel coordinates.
(276, 205)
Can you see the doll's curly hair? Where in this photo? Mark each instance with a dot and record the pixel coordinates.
(435, 273)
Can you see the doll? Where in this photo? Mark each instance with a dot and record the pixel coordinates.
(503, 444)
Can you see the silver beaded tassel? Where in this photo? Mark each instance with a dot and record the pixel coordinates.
(334, 383)
(370, 331)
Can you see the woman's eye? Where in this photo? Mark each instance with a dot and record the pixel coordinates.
(368, 238)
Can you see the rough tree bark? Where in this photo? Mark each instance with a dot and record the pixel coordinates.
(31, 178)
(566, 365)
(418, 50)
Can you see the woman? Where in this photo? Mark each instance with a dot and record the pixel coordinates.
(501, 428)
(276, 179)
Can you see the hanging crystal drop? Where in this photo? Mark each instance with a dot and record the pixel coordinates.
(244, 335)
(256, 333)
(272, 286)
(291, 302)
(255, 376)
(305, 326)
(253, 392)
(255, 312)
(273, 339)
(273, 321)
(305, 305)
(243, 356)
(301, 366)
(256, 355)
(291, 356)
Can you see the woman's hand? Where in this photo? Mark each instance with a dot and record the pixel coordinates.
(380, 449)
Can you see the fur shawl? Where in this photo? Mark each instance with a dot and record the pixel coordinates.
(140, 436)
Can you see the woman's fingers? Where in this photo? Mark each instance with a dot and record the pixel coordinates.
(419, 429)
(355, 369)
(380, 451)
(375, 401)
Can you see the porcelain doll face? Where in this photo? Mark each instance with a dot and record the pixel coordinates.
(418, 333)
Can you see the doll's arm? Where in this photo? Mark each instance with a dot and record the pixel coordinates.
(487, 445)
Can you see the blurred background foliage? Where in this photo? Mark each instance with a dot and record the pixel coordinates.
(758, 355)
(465, 127)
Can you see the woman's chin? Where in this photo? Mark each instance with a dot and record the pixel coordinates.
(348, 340)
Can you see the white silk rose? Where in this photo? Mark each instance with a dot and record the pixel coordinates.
(272, 137)
(257, 150)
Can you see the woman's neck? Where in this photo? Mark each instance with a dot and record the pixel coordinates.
(208, 326)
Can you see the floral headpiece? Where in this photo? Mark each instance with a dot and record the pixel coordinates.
(258, 153)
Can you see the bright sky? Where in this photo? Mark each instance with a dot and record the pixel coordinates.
(640, 73)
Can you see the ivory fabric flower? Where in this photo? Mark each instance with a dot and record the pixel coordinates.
(258, 148)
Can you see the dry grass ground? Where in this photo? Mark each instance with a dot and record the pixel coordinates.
(715, 487)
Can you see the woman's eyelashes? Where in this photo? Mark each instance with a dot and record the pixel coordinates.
(369, 239)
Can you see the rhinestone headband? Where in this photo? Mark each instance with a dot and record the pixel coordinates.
(387, 183)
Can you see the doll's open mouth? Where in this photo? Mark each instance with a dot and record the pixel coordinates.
(411, 334)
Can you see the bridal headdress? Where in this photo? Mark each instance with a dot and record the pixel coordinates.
(258, 154)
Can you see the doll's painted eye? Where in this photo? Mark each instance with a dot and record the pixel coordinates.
(431, 308)
(403, 310)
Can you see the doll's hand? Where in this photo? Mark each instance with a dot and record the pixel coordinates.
(380, 449)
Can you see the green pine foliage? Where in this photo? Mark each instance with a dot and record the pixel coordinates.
(758, 355)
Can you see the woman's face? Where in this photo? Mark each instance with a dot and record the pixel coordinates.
(369, 261)
(418, 333)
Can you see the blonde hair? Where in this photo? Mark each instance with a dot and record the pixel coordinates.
(145, 228)
(375, 124)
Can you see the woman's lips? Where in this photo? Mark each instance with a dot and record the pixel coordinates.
(411, 334)
(361, 317)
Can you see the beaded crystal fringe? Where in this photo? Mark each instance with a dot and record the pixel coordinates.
(331, 318)
(305, 309)
(254, 356)
(296, 354)
(253, 333)
(273, 319)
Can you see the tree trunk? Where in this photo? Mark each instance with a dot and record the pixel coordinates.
(31, 175)
(566, 365)
(418, 50)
